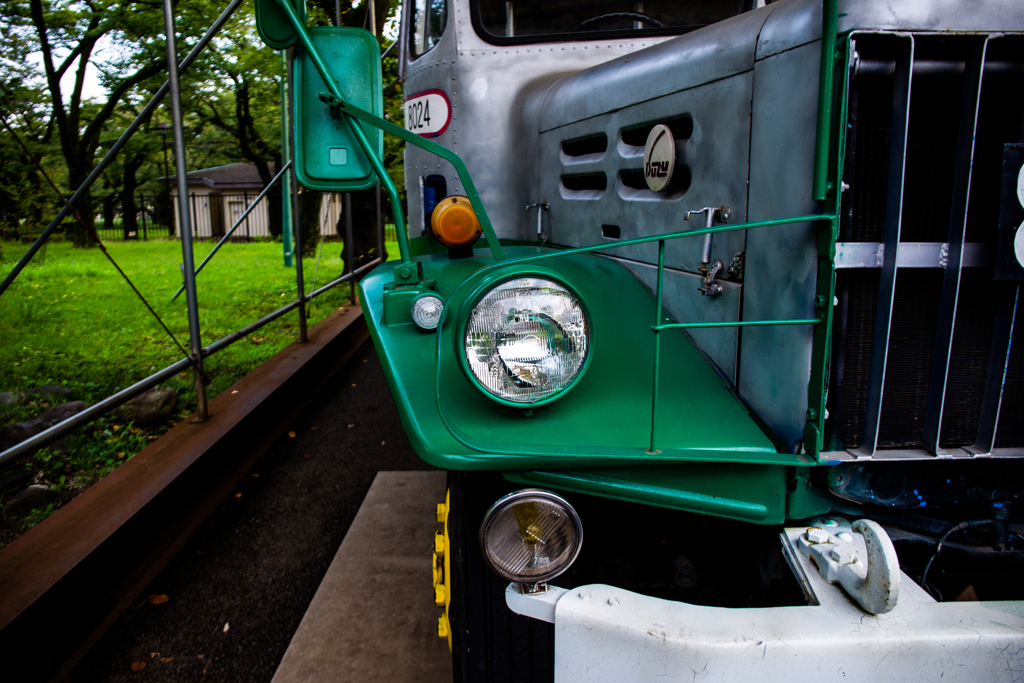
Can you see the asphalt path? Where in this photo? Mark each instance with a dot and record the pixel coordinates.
(238, 589)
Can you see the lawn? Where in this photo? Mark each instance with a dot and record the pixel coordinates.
(70, 319)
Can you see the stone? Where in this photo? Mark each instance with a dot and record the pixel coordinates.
(34, 497)
(12, 398)
(62, 412)
(52, 392)
(149, 407)
(16, 433)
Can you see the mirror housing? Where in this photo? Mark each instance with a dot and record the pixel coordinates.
(327, 156)
(273, 26)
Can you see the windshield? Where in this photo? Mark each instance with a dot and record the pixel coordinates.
(515, 21)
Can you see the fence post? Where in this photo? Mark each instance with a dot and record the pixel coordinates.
(188, 260)
(348, 245)
(296, 228)
(142, 203)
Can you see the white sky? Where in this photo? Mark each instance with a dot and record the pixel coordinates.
(92, 88)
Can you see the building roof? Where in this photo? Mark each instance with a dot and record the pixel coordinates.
(238, 176)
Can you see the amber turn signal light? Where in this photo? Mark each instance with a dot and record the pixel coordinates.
(454, 223)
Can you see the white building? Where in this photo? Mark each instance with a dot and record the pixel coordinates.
(217, 198)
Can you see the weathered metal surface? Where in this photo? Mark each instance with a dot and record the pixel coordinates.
(912, 255)
(798, 22)
(861, 559)
(781, 264)
(65, 581)
(684, 302)
(714, 157)
(604, 633)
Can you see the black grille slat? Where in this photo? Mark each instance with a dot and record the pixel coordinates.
(1010, 430)
(915, 315)
(862, 303)
(968, 363)
(938, 100)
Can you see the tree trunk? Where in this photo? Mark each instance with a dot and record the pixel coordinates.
(309, 219)
(80, 236)
(364, 227)
(128, 207)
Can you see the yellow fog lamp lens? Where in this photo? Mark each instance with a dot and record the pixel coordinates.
(531, 536)
(454, 223)
(527, 340)
(426, 311)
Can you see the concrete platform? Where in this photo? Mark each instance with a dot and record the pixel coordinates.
(373, 617)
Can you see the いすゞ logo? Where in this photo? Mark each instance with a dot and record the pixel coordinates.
(659, 157)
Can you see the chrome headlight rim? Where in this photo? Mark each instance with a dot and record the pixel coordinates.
(511, 498)
(478, 293)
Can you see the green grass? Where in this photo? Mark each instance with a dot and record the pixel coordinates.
(72, 320)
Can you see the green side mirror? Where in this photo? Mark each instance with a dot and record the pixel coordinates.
(327, 156)
(273, 26)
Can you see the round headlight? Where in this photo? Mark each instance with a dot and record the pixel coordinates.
(426, 311)
(527, 339)
(531, 536)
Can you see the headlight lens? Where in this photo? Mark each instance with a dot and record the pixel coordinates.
(531, 536)
(527, 339)
(426, 311)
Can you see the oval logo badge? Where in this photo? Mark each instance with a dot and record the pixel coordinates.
(428, 113)
(659, 157)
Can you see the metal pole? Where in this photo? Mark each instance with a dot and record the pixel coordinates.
(296, 228)
(186, 233)
(348, 244)
(373, 18)
(337, 12)
(286, 184)
(143, 116)
(657, 347)
(380, 227)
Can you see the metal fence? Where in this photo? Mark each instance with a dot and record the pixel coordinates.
(212, 216)
(111, 223)
(194, 356)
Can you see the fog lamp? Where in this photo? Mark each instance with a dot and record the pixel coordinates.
(426, 311)
(531, 536)
(527, 340)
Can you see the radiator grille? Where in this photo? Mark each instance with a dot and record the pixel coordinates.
(944, 73)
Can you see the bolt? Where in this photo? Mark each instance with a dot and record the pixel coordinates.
(613, 601)
(844, 555)
(404, 272)
(817, 535)
(584, 595)
(845, 536)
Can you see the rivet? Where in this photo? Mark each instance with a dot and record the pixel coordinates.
(613, 601)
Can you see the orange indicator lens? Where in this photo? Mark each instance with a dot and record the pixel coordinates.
(454, 222)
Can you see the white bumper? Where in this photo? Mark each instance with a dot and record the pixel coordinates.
(604, 633)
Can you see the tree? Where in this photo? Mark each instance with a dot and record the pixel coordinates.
(237, 90)
(24, 199)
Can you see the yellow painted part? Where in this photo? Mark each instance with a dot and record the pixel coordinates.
(442, 570)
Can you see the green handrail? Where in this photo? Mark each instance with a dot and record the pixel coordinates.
(829, 22)
(336, 100)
